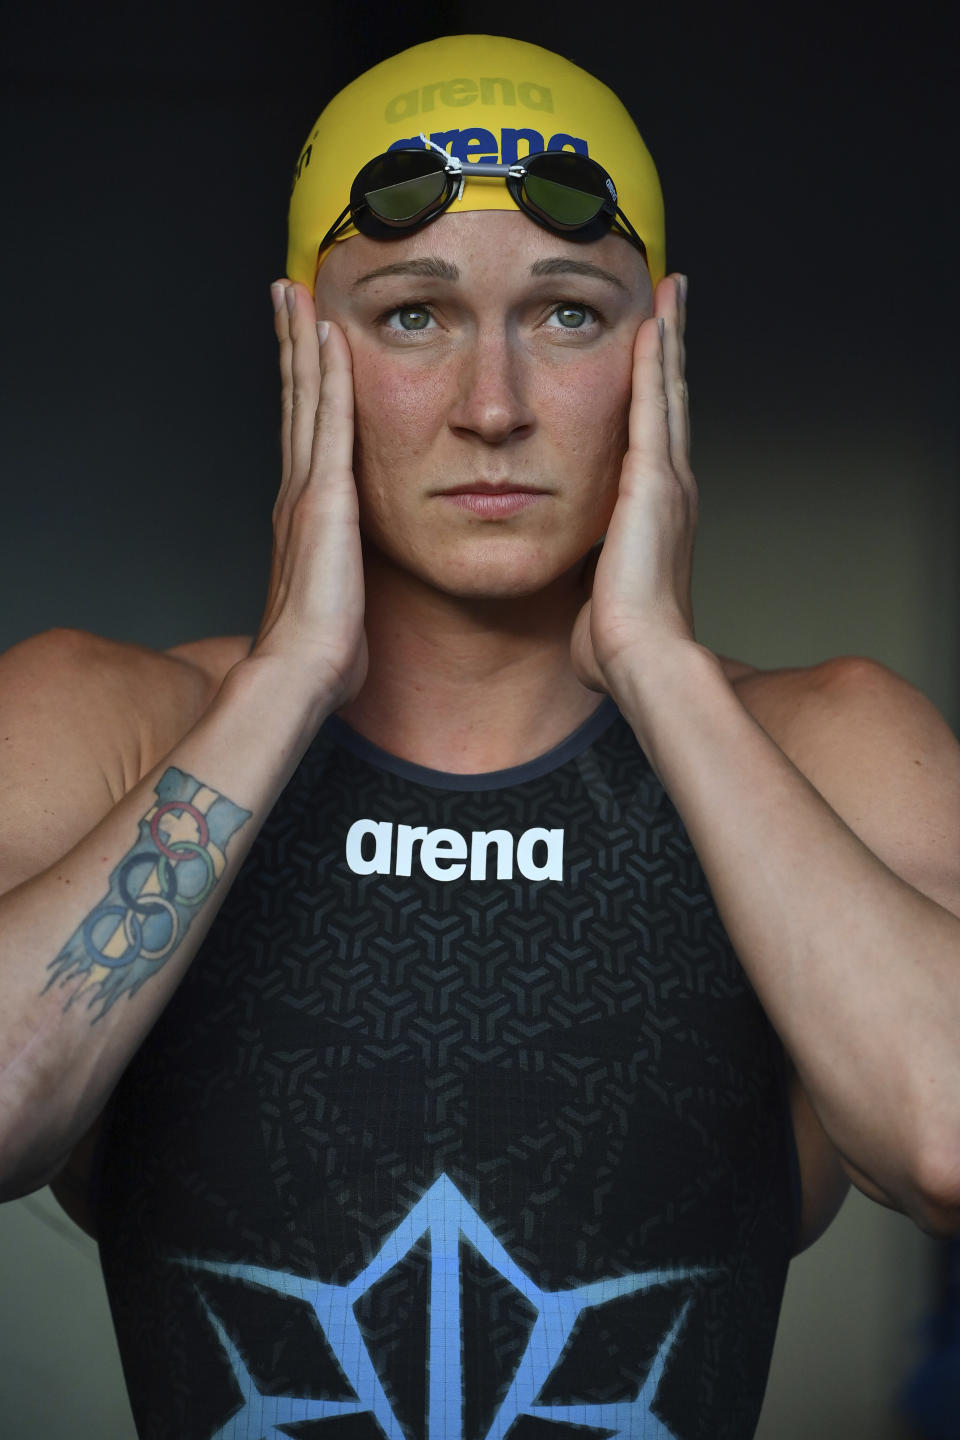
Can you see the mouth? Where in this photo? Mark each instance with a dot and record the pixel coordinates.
(493, 499)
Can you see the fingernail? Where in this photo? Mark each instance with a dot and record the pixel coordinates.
(323, 330)
(276, 295)
(660, 326)
(290, 298)
(682, 287)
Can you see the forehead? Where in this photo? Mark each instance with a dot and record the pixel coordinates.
(484, 248)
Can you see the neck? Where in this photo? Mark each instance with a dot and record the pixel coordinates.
(467, 685)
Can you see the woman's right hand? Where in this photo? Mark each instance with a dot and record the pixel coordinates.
(314, 610)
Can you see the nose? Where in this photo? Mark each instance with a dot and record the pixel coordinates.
(491, 391)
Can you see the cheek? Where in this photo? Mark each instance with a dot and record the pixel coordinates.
(589, 405)
(397, 413)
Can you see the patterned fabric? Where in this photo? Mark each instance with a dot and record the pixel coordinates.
(465, 1123)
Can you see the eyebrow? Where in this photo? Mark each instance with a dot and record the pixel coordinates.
(433, 267)
(560, 265)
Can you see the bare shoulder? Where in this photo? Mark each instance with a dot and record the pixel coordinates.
(120, 699)
(880, 752)
(820, 703)
(82, 719)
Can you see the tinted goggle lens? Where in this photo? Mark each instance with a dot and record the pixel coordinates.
(405, 201)
(567, 189)
(562, 204)
(401, 187)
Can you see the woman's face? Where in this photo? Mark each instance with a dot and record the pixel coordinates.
(492, 372)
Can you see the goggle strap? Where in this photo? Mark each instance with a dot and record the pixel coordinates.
(342, 222)
(629, 231)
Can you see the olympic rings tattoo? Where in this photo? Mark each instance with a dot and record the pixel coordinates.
(143, 909)
(153, 894)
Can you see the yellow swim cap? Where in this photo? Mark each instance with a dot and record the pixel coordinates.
(480, 97)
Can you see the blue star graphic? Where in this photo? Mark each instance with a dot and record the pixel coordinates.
(443, 1215)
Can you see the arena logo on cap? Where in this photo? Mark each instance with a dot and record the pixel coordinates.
(488, 91)
(476, 144)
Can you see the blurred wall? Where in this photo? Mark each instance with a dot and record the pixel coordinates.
(147, 165)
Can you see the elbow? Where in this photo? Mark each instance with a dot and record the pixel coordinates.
(936, 1187)
(16, 1181)
(20, 1173)
(26, 1162)
(939, 1219)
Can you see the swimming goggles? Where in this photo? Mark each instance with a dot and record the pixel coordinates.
(561, 190)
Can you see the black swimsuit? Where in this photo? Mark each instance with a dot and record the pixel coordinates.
(465, 1123)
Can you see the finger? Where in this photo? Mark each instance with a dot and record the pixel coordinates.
(648, 422)
(332, 446)
(281, 327)
(683, 286)
(670, 307)
(281, 517)
(304, 382)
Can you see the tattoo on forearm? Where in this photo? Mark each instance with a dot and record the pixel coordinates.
(155, 891)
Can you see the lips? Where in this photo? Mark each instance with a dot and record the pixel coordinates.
(493, 500)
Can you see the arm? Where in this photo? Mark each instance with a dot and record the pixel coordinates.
(112, 875)
(842, 903)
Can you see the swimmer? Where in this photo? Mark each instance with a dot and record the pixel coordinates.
(452, 1006)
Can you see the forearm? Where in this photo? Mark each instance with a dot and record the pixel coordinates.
(92, 948)
(855, 968)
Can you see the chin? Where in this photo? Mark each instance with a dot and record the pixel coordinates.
(501, 573)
